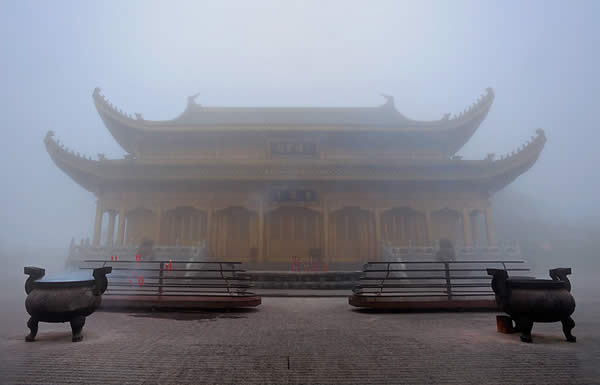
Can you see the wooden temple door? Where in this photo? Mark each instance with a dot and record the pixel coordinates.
(139, 226)
(447, 224)
(235, 234)
(353, 231)
(404, 227)
(185, 225)
(292, 232)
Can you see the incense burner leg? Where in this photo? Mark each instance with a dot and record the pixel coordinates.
(32, 324)
(525, 327)
(76, 327)
(568, 325)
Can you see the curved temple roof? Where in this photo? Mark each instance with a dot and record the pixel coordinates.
(488, 173)
(450, 132)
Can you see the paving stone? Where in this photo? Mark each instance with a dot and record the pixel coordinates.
(298, 341)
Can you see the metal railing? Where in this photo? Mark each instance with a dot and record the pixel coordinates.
(79, 253)
(420, 279)
(174, 278)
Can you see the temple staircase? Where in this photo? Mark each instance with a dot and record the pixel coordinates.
(298, 277)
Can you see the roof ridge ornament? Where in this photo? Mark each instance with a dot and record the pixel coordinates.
(192, 99)
(389, 102)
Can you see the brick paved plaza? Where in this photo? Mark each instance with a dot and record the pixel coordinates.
(299, 340)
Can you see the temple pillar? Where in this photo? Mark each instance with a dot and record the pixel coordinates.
(181, 229)
(209, 233)
(428, 230)
(111, 228)
(467, 227)
(121, 228)
(489, 227)
(377, 231)
(261, 232)
(157, 221)
(98, 224)
(326, 236)
(400, 227)
(475, 228)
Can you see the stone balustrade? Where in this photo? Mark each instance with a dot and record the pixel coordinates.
(389, 251)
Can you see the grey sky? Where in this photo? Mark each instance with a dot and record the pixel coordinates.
(541, 58)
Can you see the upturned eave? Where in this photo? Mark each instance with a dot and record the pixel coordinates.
(450, 133)
(488, 174)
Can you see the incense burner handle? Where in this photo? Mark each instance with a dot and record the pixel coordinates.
(34, 274)
(560, 274)
(101, 280)
(499, 282)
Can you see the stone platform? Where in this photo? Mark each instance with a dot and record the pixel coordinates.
(419, 304)
(183, 302)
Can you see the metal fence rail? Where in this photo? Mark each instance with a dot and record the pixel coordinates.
(79, 253)
(435, 279)
(174, 278)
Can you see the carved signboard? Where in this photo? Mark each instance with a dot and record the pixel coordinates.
(294, 148)
(291, 196)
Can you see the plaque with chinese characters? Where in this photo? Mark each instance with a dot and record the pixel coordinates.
(293, 148)
(293, 195)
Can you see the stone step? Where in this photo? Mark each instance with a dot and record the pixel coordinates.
(331, 280)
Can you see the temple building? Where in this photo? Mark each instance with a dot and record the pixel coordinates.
(262, 185)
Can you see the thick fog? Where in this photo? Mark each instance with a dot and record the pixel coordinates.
(540, 57)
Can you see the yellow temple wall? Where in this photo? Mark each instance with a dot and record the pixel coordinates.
(345, 223)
